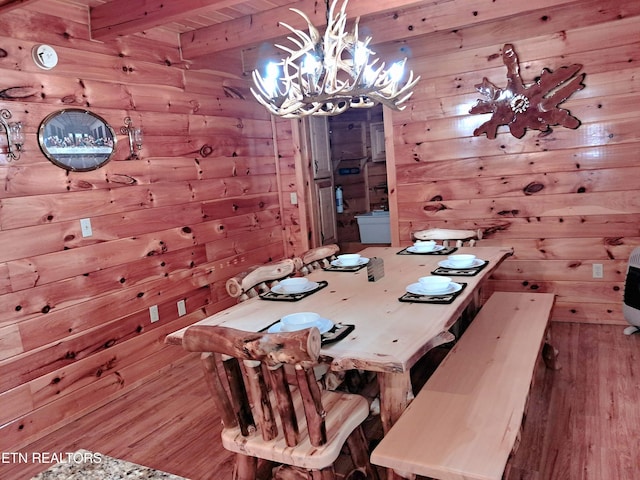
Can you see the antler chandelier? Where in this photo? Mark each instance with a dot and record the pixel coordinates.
(328, 74)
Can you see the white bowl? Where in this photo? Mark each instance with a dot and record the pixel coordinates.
(293, 284)
(426, 246)
(348, 259)
(434, 283)
(299, 321)
(461, 260)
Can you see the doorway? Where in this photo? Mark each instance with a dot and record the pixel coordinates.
(357, 150)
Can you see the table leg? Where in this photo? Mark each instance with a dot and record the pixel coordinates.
(395, 395)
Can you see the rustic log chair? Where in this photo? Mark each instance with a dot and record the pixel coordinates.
(318, 257)
(354, 380)
(260, 278)
(450, 237)
(301, 427)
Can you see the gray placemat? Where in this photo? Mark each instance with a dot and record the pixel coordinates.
(444, 251)
(292, 297)
(461, 272)
(437, 299)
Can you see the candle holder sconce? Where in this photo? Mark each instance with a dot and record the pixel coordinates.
(14, 135)
(135, 138)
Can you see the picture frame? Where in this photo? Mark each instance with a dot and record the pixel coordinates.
(76, 139)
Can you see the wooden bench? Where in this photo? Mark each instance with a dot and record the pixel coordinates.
(466, 420)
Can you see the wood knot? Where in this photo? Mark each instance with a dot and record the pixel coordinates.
(533, 187)
(206, 150)
(434, 208)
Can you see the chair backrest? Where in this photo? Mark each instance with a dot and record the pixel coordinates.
(447, 236)
(237, 387)
(260, 278)
(318, 257)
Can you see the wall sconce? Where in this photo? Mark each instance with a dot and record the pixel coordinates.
(13, 132)
(135, 138)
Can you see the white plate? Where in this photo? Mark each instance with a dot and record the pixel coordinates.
(279, 289)
(417, 289)
(361, 261)
(324, 325)
(413, 249)
(447, 264)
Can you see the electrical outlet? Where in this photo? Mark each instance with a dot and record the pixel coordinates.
(294, 198)
(85, 227)
(598, 271)
(153, 313)
(182, 308)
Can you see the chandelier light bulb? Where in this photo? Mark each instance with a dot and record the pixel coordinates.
(271, 80)
(396, 72)
(360, 55)
(311, 65)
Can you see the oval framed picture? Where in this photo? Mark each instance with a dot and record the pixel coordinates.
(77, 139)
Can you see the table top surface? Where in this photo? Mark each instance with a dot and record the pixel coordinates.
(389, 335)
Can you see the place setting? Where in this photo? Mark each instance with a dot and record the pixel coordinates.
(293, 289)
(347, 262)
(329, 331)
(466, 265)
(427, 247)
(433, 289)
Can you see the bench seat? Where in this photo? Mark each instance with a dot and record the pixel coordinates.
(464, 422)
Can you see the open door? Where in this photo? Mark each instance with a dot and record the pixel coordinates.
(321, 191)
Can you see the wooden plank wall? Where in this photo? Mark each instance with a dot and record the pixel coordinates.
(564, 201)
(201, 205)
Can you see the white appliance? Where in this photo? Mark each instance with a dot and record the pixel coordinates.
(374, 227)
(631, 302)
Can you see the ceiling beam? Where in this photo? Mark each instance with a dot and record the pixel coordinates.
(388, 21)
(254, 29)
(8, 5)
(123, 17)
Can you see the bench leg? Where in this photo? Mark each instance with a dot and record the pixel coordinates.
(550, 356)
(550, 353)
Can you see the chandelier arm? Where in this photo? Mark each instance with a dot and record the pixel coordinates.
(314, 34)
(260, 84)
(306, 39)
(291, 51)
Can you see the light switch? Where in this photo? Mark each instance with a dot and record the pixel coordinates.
(182, 308)
(598, 271)
(294, 198)
(153, 313)
(85, 226)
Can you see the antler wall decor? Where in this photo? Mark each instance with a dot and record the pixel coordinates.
(521, 107)
(327, 74)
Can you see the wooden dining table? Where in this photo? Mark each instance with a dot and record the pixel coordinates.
(389, 335)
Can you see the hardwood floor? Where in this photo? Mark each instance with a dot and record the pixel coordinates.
(583, 421)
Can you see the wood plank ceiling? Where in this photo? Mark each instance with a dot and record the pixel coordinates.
(219, 28)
